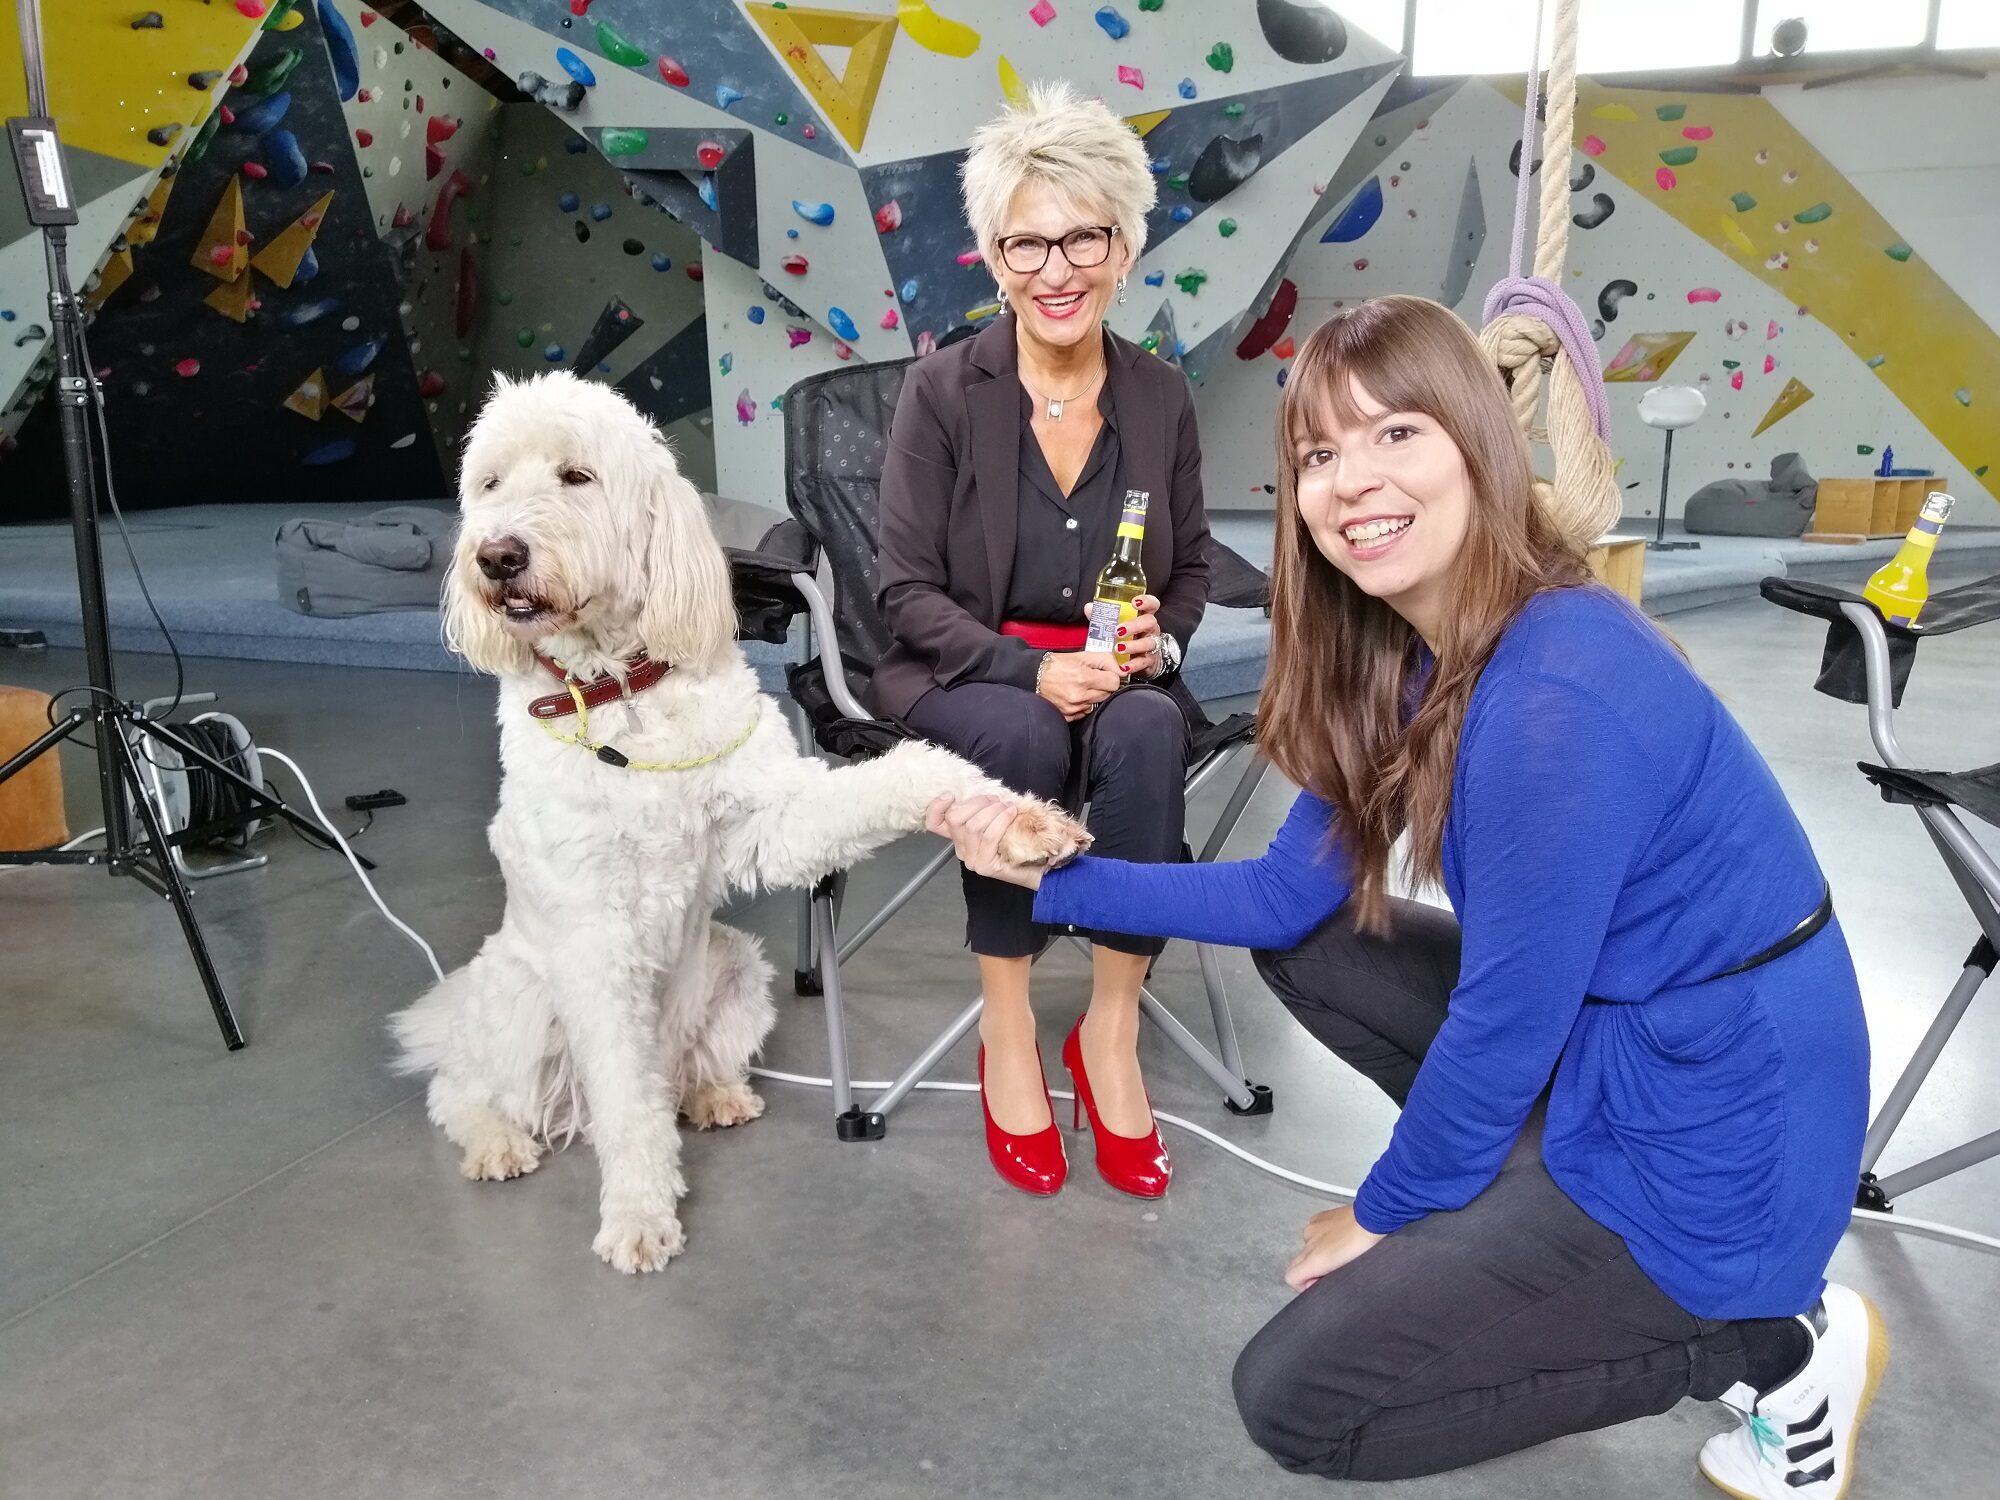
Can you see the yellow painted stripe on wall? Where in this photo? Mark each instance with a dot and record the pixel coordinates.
(109, 84)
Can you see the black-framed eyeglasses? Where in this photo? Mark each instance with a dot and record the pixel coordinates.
(1025, 254)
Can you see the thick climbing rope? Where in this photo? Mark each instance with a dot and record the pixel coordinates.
(1530, 319)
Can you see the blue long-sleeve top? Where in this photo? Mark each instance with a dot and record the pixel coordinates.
(1613, 842)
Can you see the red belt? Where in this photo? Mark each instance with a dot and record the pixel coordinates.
(1043, 636)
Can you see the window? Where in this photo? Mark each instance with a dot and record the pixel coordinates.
(1381, 19)
(1613, 36)
(1968, 23)
(1845, 25)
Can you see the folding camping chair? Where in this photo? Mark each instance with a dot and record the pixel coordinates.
(1869, 662)
(836, 429)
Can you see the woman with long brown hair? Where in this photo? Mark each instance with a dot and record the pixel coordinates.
(1633, 1071)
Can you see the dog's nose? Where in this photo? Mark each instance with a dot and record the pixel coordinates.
(502, 558)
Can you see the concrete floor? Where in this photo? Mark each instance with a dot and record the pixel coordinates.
(260, 1274)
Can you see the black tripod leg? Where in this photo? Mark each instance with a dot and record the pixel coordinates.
(177, 893)
(57, 733)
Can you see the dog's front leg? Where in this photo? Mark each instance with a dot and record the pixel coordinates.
(608, 1007)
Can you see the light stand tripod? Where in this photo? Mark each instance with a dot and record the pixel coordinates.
(120, 729)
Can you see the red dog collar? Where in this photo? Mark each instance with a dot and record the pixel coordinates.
(643, 673)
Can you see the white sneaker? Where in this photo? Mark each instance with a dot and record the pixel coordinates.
(1797, 1440)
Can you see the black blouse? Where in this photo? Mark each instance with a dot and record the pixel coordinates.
(1062, 543)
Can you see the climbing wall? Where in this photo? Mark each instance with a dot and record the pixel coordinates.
(1710, 245)
(816, 150)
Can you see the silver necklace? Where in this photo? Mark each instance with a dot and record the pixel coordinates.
(1057, 403)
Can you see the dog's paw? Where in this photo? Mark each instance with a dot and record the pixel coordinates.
(632, 1243)
(498, 1152)
(1042, 834)
(720, 1105)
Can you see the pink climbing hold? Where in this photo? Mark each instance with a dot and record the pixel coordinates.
(255, 170)
(891, 318)
(254, 9)
(431, 384)
(1736, 381)
(1134, 76)
(221, 255)
(439, 129)
(795, 265)
(1593, 145)
(1361, 264)
(809, 130)
(1697, 132)
(1771, 329)
(968, 257)
(842, 351)
(673, 73)
(188, 367)
(1704, 294)
(1041, 12)
(746, 408)
(227, 114)
(1666, 179)
(889, 217)
(239, 75)
(1770, 363)
(797, 336)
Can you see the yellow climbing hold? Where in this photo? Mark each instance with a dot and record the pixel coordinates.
(1795, 394)
(1011, 87)
(220, 249)
(1614, 112)
(1143, 124)
(233, 298)
(280, 259)
(309, 400)
(930, 30)
(798, 32)
(981, 314)
(1733, 232)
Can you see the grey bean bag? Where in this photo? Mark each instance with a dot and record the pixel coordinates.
(1779, 506)
(392, 559)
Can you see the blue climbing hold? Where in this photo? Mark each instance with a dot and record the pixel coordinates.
(726, 96)
(576, 67)
(265, 113)
(707, 192)
(1355, 220)
(287, 160)
(1181, 213)
(838, 320)
(1186, 87)
(308, 267)
(600, 212)
(330, 453)
(662, 262)
(1115, 26)
(1156, 278)
(359, 358)
(341, 51)
(756, 314)
(1160, 166)
(791, 234)
(309, 312)
(576, 145)
(1180, 348)
(908, 290)
(553, 354)
(814, 213)
(569, 203)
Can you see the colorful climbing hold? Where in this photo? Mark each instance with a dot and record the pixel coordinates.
(934, 32)
(1666, 179)
(1593, 145)
(1190, 281)
(615, 47)
(1897, 251)
(576, 67)
(795, 265)
(623, 141)
(600, 212)
(891, 318)
(1234, 110)
(430, 383)
(725, 364)
(814, 213)
(1180, 213)
(328, 453)
(1151, 5)
(838, 320)
(1733, 232)
(755, 314)
(889, 217)
(1876, 361)
(1226, 228)
(795, 336)
(1186, 88)
(726, 96)
(1041, 12)
(746, 407)
(1818, 213)
(1770, 363)
(553, 353)
(1115, 26)
(673, 73)
(709, 154)
(569, 203)
(1222, 57)
(1962, 396)
(1704, 294)
(1136, 77)
(661, 261)
(1671, 111)
(1679, 156)
(254, 9)
(1155, 278)
(188, 367)
(1355, 220)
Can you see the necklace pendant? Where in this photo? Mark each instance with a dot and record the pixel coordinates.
(1055, 410)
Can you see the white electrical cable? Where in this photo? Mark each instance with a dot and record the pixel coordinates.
(368, 885)
(76, 843)
(1926, 1228)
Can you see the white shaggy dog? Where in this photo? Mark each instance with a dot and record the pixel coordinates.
(610, 1000)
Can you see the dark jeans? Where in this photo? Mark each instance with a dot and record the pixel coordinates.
(1463, 1335)
(1134, 750)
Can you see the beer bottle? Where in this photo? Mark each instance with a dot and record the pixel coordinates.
(1122, 580)
(1901, 587)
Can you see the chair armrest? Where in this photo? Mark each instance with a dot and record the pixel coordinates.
(828, 641)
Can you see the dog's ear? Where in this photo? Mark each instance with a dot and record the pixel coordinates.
(470, 628)
(688, 616)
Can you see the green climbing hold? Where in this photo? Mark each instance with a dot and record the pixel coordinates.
(1864, 448)
(1222, 57)
(1151, 4)
(1190, 281)
(1678, 156)
(1962, 396)
(1178, 182)
(199, 148)
(1730, 364)
(623, 142)
(1226, 228)
(1151, 342)
(781, 118)
(1742, 202)
(1813, 215)
(504, 298)
(1898, 251)
(276, 16)
(272, 75)
(1234, 111)
(399, 49)
(1980, 472)
(1876, 361)
(1671, 111)
(525, 337)
(620, 51)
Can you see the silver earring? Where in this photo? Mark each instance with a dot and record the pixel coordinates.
(1003, 296)
(1121, 288)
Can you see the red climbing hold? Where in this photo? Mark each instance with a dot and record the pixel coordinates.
(255, 170)
(364, 96)
(1284, 348)
(368, 18)
(709, 154)
(221, 255)
(438, 235)
(364, 138)
(188, 367)
(794, 264)
(694, 270)
(889, 217)
(420, 104)
(673, 72)
(1263, 333)
(254, 9)
(239, 75)
(433, 162)
(228, 115)
(439, 129)
(579, 7)
(431, 384)
(402, 219)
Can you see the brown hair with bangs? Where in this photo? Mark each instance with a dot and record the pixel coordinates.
(1332, 715)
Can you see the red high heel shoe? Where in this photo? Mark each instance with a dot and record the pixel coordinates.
(1133, 1164)
(1033, 1163)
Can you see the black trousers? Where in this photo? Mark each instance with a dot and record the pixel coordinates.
(1463, 1335)
(1134, 752)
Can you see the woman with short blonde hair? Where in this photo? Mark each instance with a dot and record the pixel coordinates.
(1011, 461)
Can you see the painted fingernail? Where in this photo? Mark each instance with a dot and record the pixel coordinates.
(1121, 629)
(1124, 666)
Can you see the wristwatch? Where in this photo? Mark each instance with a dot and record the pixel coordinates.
(1170, 656)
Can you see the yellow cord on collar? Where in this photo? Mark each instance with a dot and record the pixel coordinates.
(612, 757)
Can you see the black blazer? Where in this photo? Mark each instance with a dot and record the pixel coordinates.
(950, 491)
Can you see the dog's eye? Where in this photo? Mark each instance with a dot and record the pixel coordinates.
(490, 482)
(578, 476)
